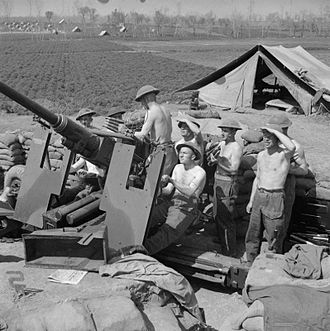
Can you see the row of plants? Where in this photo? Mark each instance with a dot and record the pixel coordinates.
(94, 73)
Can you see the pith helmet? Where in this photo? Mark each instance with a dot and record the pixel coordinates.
(188, 122)
(272, 126)
(229, 123)
(84, 112)
(192, 146)
(281, 119)
(144, 90)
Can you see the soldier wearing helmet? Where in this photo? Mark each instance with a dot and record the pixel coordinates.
(298, 166)
(157, 125)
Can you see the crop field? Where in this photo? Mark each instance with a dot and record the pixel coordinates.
(65, 75)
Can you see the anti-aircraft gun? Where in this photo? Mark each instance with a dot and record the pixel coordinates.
(124, 210)
(62, 240)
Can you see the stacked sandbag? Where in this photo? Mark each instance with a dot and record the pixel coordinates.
(11, 151)
(134, 120)
(310, 186)
(56, 152)
(205, 113)
(247, 169)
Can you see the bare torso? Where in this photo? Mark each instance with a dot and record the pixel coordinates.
(229, 156)
(194, 176)
(273, 169)
(162, 126)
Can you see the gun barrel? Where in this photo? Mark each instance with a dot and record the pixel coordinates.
(29, 104)
(87, 142)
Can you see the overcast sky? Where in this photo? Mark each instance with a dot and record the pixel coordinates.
(221, 8)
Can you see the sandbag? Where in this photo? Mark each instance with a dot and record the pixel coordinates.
(117, 313)
(55, 155)
(65, 316)
(249, 162)
(55, 164)
(27, 143)
(134, 119)
(24, 136)
(249, 174)
(161, 319)
(207, 113)
(319, 193)
(14, 146)
(8, 138)
(5, 151)
(250, 317)
(15, 171)
(16, 159)
(305, 183)
(325, 184)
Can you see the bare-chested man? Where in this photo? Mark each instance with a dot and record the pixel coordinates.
(298, 165)
(157, 125)
(228, 159)
(267, 198)
(175, 216)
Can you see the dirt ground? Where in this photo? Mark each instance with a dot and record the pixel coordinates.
(218, 303)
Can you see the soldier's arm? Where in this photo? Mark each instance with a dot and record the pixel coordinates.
(299, 166)
(147, 126)
(190, 189)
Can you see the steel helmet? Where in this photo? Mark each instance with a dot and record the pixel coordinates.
(144, 90)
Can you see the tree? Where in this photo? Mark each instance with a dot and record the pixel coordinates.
(83, 12)
(49, 15)
(92, 14)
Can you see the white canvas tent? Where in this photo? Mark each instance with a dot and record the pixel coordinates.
(233, 85)
(104, 33)
(76, 29)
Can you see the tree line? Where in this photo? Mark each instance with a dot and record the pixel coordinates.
(161, 24)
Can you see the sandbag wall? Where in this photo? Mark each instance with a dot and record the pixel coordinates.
(11, 151)
(55, 151)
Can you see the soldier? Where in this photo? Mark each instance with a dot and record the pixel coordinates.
(157, 125)
(228, 160)
(178, 213)
(190, 132)
(267, 198)
(89, 173)
(85, 117)
(298, 166)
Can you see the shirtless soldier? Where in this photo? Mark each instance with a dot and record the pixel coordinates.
(228, 159)
(176, 215)
(298, 166)
(266, 203)
(157, 124)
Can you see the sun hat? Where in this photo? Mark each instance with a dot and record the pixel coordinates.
(229, 123)
(83, 112)
(192, 146)
(280, 119)
(144, 90)
(252, 136)
(271, 126)
(188, 122)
